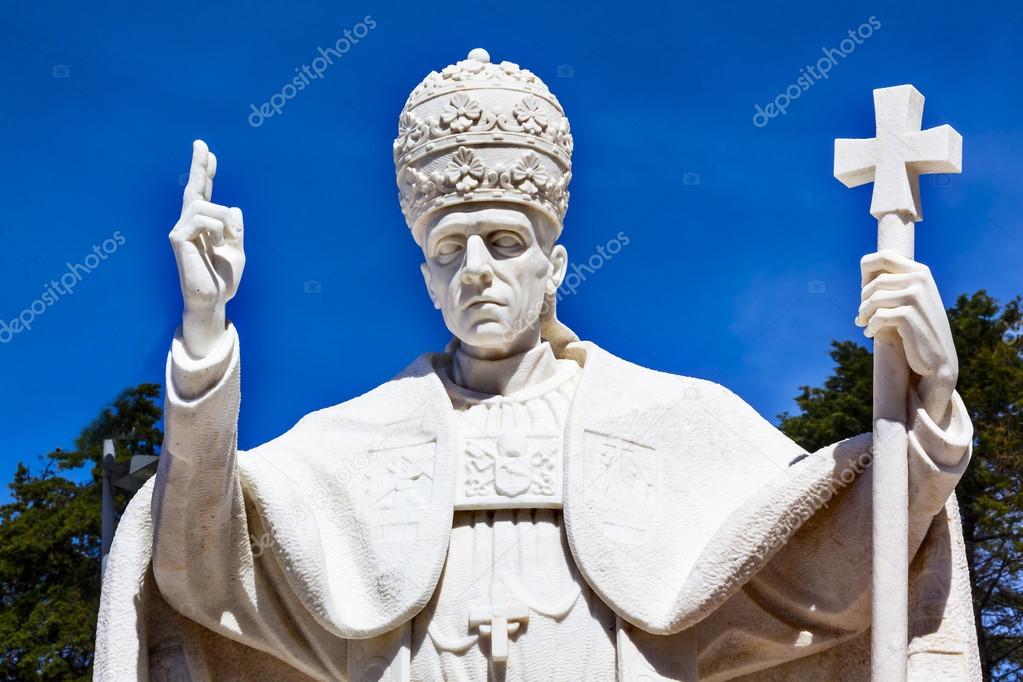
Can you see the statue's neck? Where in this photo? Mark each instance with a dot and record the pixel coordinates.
(507, 375)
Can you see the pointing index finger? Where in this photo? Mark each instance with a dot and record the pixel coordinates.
(211, 170)
(198, 174)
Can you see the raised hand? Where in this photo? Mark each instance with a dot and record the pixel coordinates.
(208, 246)
(900, 293)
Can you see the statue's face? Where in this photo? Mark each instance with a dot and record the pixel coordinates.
(487, 269)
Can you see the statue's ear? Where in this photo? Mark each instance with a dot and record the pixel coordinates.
(425, 269)
(559, 259)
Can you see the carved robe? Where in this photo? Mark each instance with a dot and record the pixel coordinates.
(704, 542)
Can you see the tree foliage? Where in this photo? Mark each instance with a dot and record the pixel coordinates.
(989, 341)
(842, 408)
(50, 545)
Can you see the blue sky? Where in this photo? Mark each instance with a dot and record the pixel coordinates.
(742, 262)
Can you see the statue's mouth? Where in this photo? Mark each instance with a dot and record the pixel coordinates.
(481, 302)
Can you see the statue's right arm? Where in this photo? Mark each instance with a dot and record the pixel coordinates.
(198, 515)
(202, 558)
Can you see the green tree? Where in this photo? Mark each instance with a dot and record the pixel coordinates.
(50, 545)
(989, 341)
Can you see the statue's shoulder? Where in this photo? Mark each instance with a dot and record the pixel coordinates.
(410, 395)
(637, 389)
(417, 382)
(685, 413)
(612, 369)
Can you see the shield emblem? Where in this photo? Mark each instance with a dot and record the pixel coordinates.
(511, 466)
(512, 471)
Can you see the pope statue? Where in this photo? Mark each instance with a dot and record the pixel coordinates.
(524, 505)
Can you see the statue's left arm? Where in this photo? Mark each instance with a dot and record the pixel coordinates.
(815, 592)
(901, 294)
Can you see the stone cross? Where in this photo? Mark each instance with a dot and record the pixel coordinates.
(893, 161)
(899, 154)
(498, 620)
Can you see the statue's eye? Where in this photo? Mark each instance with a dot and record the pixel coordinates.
(448, 249)
(507, 242)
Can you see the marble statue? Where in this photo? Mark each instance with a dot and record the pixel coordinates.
(524, 505)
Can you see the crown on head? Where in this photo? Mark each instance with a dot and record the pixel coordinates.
(477, 132)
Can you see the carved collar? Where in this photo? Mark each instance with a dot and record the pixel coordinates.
(507, 376)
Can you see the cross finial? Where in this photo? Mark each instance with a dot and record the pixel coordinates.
(499, 619)
(899, 154)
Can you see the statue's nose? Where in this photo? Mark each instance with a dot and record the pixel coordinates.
(477, 261)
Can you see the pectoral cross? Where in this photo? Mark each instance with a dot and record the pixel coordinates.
(499, 619)
(893, 161)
